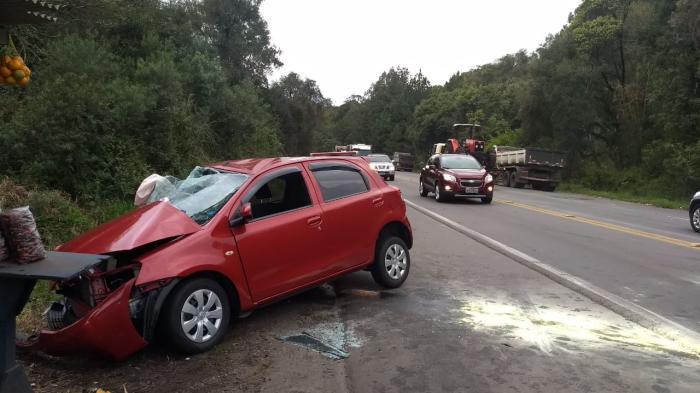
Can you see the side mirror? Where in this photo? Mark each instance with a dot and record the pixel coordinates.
(242, 215)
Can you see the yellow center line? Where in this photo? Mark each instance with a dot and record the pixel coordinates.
(601, 224)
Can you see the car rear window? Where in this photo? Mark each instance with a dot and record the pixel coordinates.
(340, 182)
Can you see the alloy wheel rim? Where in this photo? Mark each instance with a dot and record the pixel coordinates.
(696, 218)
(201, 315)
(420, 187)
(437, 192)
(396, 261)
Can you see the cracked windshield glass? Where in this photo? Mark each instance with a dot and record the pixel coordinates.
(350, 196)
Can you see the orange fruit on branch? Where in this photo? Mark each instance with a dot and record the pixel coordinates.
(5, 72)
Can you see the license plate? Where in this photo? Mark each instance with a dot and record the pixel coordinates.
(471, 190)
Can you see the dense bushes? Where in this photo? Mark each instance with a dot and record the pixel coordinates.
(140, 89)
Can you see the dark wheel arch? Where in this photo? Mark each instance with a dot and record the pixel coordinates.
(396, 228)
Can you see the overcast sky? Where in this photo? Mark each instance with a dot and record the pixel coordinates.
(344, 45)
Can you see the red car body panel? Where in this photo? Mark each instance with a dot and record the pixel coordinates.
(264, 260)
(106, 329)
(151, 223)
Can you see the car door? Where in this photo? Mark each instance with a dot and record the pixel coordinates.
(280, 245)
(351, 206)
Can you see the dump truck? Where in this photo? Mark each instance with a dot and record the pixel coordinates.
(517, 167)
(403, 161)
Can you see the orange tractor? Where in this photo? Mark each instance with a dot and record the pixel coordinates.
(468, 140)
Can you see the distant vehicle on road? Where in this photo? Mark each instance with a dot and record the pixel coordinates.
(403, 161)
(360, 148)
(694, 211)
(516, 167)
(456, 176)
(540, 168)
(381, 164)
(230, 238)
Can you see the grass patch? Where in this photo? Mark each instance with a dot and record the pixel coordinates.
(31, 318)
(659, 201)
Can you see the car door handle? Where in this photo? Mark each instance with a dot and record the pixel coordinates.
(314, 221)
(378, 201)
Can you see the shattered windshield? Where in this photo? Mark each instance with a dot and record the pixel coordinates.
(202, 194)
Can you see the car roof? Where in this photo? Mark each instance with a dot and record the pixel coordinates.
(257, 165)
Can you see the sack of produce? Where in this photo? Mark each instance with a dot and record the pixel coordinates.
(13, 71)
(4, 251)
(20, 232)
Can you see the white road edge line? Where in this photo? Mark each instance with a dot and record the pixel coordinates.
(630, 311)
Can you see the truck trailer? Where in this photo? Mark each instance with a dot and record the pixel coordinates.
(517, 167)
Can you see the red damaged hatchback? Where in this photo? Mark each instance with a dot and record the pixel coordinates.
(237, 235)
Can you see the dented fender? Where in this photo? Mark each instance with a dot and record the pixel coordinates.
(107, 329)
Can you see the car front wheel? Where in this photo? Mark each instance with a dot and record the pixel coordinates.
(421, 189)
(440, 197)
(695, 218)
(196, 315)
(392, 262)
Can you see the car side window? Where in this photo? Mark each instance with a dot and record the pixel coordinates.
(281, 194)
(339, 182)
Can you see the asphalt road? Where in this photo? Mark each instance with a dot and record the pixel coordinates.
(641, 253)
(467, 319)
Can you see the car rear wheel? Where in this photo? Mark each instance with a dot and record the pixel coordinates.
(196, 315)
(392, 262)
(695, 218)
(513, 182)
(421, 188)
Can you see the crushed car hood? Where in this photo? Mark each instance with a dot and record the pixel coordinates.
(151, 223)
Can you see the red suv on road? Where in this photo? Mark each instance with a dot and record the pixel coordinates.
(233, 237)
(456, 175)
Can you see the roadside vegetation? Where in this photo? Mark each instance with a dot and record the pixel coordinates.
(665, 202)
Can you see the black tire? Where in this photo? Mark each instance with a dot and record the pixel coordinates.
(506, 179)
(487, 199)
(513, 181)
(693, 211)
(170, 321)
(381, 273)
(440, 197)
(421, 189)
(391, 178)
